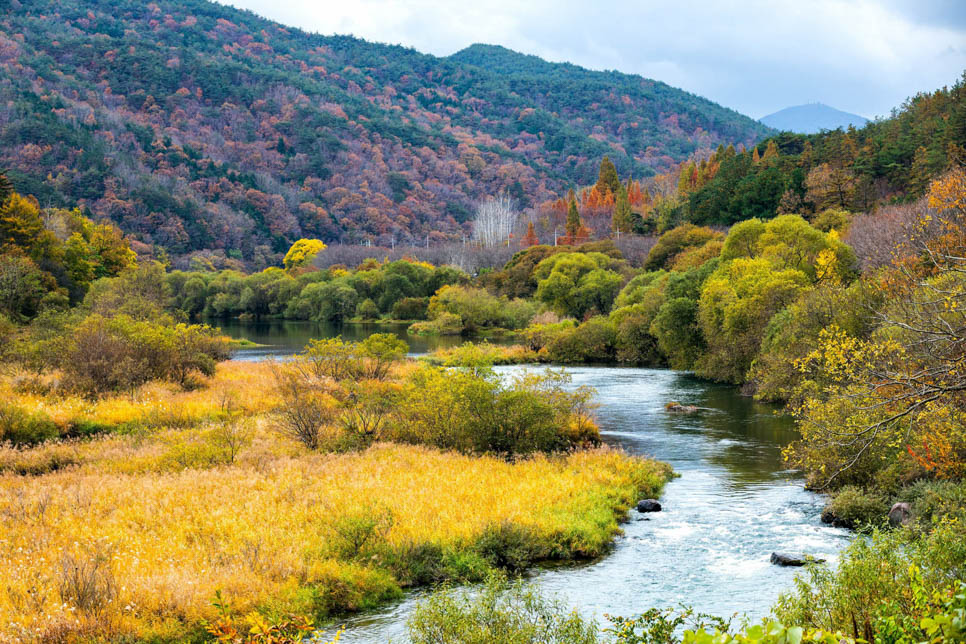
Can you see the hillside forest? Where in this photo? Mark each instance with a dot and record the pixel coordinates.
(196, 126)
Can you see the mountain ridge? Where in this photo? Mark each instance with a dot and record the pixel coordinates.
(195, 125)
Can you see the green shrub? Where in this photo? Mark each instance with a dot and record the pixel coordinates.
(883, 587)
(634, 343)
(443, 324)
(479, 310)
(662, 626)
(8, 334)
(367, 310)
(121, 353)
(21, 427)
(358, 535)
(340, 360)
(501, 611)
(476, 411)
(83, 428)
(472, 354)
(418, 564)
(933, 501)
(538, 336)
(593, 341)
(855, 508)
(509, 547)
(411, 308)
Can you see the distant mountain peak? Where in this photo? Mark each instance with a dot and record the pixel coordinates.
(811, 118)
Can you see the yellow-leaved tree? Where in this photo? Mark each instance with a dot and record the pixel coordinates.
(302, 253)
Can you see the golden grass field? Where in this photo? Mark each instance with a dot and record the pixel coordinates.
(159, 518)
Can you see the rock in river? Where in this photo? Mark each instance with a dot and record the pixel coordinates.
(783, 559)
(648, 505)
(678, 408)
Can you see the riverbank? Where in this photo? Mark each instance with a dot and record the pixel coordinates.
(131, 534)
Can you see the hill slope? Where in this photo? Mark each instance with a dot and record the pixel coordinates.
(194, 125)
(812, 118)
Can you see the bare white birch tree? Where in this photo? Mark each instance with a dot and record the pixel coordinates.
(495, 220)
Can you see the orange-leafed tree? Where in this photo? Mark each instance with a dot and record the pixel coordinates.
(530, 239)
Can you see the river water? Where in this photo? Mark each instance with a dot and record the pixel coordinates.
(732, 506)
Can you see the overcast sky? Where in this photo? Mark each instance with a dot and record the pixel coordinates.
(756, 56)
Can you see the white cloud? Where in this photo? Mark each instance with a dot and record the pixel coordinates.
(756, 56)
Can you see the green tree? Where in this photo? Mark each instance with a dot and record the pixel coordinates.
(675, 241)
(789, 241)
(22, 287)
(623, 218)
(21, 225)
(577, 283)
(737, 302)
(677, 332)
(367, 310)
(573, 220)
(607, 179)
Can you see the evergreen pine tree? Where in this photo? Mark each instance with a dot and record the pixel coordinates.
(607, 179)
(622, 220)
(573, 221)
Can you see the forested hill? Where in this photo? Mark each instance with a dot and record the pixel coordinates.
(195, 125)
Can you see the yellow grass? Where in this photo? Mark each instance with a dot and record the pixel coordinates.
(272, 528)
(157, 403)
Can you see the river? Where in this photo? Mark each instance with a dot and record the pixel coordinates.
(732, 506)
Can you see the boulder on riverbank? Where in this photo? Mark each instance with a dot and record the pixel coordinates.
(783, 559)
(678, 408)
(648, 505)
(900, 514)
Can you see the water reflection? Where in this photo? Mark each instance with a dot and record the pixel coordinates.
(279, 338)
